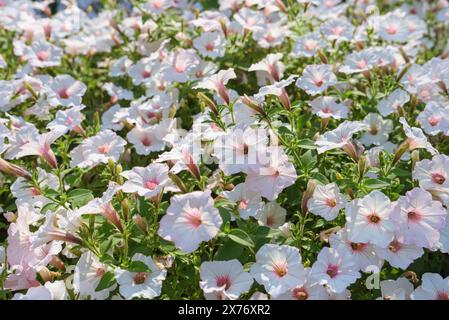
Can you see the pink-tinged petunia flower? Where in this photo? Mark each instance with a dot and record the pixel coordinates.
(399, 289)
(223, 280)
(271, 66)
(68, 120)
(26, 193)
(88, 273)
(98, 149)
(190, 219)
(433, 287)
(120, 66)
(415, 138)
(104, 206)
(326, 201)
(430, 118)
(147, 181)
(272, 174)
(363, 254)
(278, 268)
(308, 45)
(49, 291)
(334, 269)
(248, 203)
(377, 130)
(337, 29)
(217, 82)
(147, 139)
(277, 89)
(210, 44)
(237, 149)
(60, 225)
(316, 79)
(399, 254)
(369, 219)
(419, 218)
(272, 215)
(41, 146)
(64, 90)
(42, 54)
(144, 70)
(393, 102)
(182, 63)
(271, 35)
(341, 137)
(143, 284)
(307, 291)
(433, 176)
(327, 107)
(391, 27)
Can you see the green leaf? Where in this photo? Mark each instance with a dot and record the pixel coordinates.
(376, 184)
(106, 281)
(306, 144)
(138, 266)
(228, 251)
(49, 207)
(80, 197)
(241, 237)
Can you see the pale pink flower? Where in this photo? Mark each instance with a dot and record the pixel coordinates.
(190, 219)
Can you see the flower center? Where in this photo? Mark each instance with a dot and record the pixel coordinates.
(43, 55)
(318, 82)
(209, 46)
(146, 73)
(100, 272)
(271, 220)
(336, 31)
(438, 178)
(357, 246)
(151, 184)
(35, 191)
(443, 296)
(243, 204)
(194, 217)
(104, 148)
(394, 246)
(310, 45)
(433, 121)
(140, 277)
(64, 93)
(391, 30)
(331, 202)
(374, 218)
(280, 268)
(374, 130)
(300, 293)
(361, 64)
(332, 270)
(413, 216)
(224, 281)
(146, 141)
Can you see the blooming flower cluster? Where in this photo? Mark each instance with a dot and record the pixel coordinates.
(239, 149)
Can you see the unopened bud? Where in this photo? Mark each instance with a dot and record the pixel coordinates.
(362, 166)
(13, 170)
(57, 263)
(140, 222)
(179, 183)
(311, 185)
(208, 102)
(125, 209)
(252, 104)
(322, 56)
(415, 158)
(400, 151)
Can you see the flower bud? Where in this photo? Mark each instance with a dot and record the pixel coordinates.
(179, 183)
(13, 170)
(307, 195)
(207, 101)
(140, 222)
